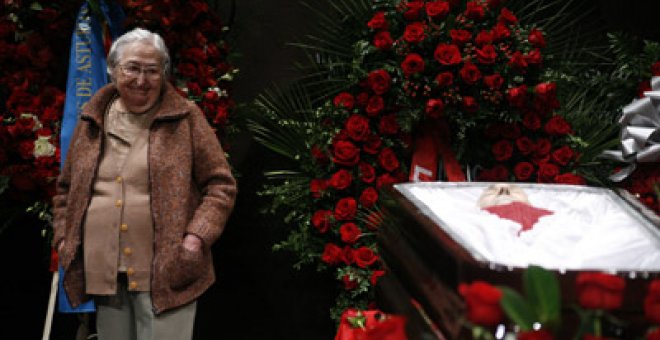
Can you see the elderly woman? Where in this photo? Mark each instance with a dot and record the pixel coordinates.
(143, 194)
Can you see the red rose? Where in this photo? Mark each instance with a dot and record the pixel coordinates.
(563, 155)
(534, 57)
(557, 126)
(316, 186)
(345, 100)
(483, 303)
(474, 11)
(470, 73)
(413, 63)
(469, 104)
(375, 106)
(525, 145)
(531, 121)
(507, 17)
(502, 150)
(543, 146)
(367, 172)
(388, 160)
(434, 108)
(444, 79)
(547, 173)
(332, 254)
(379, 81)
(437, 9)
(375, 275)
(365, 257)
(486, 54)
(569, 178)
(536, 38)
(341, 179)
(350, 232)
(372, 144)
(368, 197)
(383, 40)
(349, 283)
(600, 290)
(652, 302)
(494, 81)
(484, 38)
(414, 33)
(413, 10)
(357, 127)
(447, 54)
(318, 154)
(517, 96)
(460, 37)
(523, 171)
(546, 92)
(345, 209)
(345, 153)
(500, 32)
(321, 220)
(385, 180)
(388, 125)
(362, 99)
(378, 21)
(517, 61)
(535, 335)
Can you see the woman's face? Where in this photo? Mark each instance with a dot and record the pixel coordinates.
(139, 76)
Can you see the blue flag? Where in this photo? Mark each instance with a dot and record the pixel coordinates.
(87, 74)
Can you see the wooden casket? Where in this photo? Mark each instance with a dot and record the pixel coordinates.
(435, 236)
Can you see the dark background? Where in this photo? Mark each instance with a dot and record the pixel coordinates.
(258, 295)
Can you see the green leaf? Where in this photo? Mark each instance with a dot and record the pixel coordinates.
(542, 291)
(517, 308)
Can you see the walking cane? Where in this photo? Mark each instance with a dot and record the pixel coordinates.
(51, 305)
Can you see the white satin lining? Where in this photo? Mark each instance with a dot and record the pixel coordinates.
(589, 230)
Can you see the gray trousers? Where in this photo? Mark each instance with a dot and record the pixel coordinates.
(128, 316)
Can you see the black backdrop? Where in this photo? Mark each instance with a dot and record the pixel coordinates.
(258, 295)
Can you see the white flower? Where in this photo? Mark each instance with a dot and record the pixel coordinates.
(43, 147)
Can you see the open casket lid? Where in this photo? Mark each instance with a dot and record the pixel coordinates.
(590, 228)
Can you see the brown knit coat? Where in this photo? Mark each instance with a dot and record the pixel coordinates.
(192, 191)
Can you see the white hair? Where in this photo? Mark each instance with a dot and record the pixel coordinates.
(138, 34)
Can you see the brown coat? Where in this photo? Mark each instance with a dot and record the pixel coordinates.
(192, 191)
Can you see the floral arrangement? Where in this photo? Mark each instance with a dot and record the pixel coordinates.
(537, 315)
(370, 325)
(468, 67)
(34, 43)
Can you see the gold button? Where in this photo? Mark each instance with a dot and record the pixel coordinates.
(118, 179)
(132, 285)
(123, 227)
(128, 251)
(130, 271)
(118, 203)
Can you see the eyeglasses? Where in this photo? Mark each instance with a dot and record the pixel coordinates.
(133, 71)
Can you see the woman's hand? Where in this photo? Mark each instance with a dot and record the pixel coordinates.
(192, 242)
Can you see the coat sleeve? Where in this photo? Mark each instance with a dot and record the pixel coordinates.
(62, 193)
(214, 180)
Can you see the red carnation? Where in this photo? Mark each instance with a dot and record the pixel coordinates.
(600, 290)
